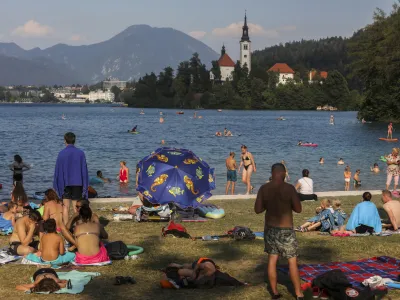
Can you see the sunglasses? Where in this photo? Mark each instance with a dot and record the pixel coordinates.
(78, 206)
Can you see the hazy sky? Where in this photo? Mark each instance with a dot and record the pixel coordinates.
(43, 23)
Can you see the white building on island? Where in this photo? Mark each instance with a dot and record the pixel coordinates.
(284, 71)
(101, 96)
(226, 64)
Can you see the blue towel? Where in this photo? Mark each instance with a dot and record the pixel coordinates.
(61, 259)
(5, 225)
(365, 213)
(78, 281)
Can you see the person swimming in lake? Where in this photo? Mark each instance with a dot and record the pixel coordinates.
(321, 160)
(341, 161)
(249, 166)
(347, 177)
(375, 168)
(134, 129)
(356, 179)
(228, 133)
(390, 131)
(218, 133)
(332, 120)
(225, 131)
(161, 120)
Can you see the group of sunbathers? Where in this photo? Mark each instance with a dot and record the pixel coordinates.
(364, 219)
(82, 233)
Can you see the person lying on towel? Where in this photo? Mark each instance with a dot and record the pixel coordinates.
(88, 237)
(51, 250)
(45, 280)
(201, 273)
(364, 218)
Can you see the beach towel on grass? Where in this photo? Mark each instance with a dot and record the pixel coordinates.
(78, 281)
(6, 258)
(104, 263)
(355, 271)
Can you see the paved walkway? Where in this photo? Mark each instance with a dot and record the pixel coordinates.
(136, 201)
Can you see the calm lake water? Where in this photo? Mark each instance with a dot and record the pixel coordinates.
(36, 133)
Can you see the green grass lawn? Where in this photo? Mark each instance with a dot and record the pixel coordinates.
(243, 260)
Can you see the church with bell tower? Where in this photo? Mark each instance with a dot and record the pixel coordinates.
(245, 46)
(226, 64)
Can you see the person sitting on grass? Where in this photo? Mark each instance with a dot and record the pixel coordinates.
(322, 220)
(45, 280)
(21, 240)
(364, 218)
(53, 208)
(339, 215)
(72, 221)
(88, 237)
(392, 208)
(51, 250)
(7, 219)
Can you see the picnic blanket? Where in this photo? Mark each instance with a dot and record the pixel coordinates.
(356, 271)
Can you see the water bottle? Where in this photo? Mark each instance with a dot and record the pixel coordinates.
(126, 257)
(134, 257)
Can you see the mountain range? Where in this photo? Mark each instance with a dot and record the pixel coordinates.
(138, 50)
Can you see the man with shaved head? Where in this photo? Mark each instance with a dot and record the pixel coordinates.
(279, 199)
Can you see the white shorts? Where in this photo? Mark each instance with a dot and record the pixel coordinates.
(347, 179)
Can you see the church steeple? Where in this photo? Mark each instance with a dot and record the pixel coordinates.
(223, 50)
(245, 34)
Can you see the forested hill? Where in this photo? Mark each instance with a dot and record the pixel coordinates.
(326, 54)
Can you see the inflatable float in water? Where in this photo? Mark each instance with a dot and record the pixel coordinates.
(211, 212)
(388, 140)
(308, 145)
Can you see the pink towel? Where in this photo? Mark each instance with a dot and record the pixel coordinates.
(102, 256)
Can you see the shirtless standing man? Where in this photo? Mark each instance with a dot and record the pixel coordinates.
(392, 208)
(231, 174)
(21, 240)
(278, 199)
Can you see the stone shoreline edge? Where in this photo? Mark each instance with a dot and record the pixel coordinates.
(135, 200)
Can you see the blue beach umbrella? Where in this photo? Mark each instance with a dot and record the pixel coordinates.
(175, 175)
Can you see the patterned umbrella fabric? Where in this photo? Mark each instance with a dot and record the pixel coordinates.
(175, 175)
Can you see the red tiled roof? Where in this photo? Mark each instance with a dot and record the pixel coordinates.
(323, 74)
(226, 61)
(282, 68)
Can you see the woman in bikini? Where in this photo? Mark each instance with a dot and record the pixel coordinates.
(53, 209)
(347, 177)
(88, 237)
(249, 166)
(45, 280)
(123, 173)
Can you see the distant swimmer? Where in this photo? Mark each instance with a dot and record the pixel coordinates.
(363, 121)
(390, 131)
(281, 118)
(321, 160)
(332, 120)
(162, 142)
(142, 112)
(218, 133)
(340, 162)
(134, 129)
(195, 115)
(225, 131)
(375, 168)
(229, 133)
(161, 120)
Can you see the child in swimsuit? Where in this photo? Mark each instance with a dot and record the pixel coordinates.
(356, 179)
(347, 177)
(52, 250)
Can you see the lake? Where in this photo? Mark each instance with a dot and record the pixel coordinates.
(36, 133)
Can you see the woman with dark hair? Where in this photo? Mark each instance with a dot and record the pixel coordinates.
(18, 167)
(249, 166)
(19, 196)
(305, 187)
(365, 217)
(45, 280)
(88, 237)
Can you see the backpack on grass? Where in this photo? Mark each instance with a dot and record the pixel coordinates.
(241, 233)
(117, 250)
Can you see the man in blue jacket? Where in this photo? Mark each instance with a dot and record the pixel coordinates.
(71, 175)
